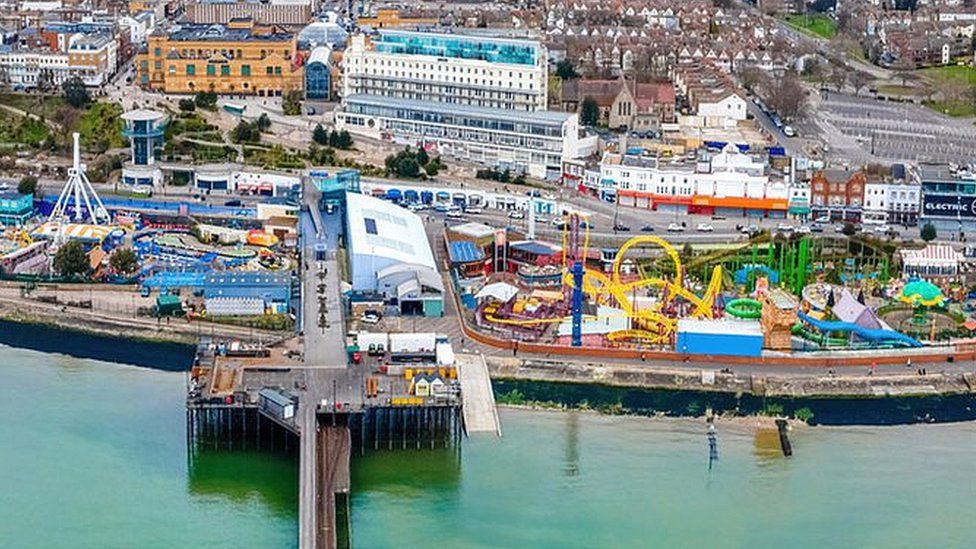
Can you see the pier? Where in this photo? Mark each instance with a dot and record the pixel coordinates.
(324, 415)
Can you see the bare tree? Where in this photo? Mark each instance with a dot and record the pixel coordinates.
(787, 97)
(860, 79)
(752, 77)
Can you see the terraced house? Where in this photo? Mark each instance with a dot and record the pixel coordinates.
(239, 58)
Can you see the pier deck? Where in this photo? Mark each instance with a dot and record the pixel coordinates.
(480, 414)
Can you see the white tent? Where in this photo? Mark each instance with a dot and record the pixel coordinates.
(498, 291)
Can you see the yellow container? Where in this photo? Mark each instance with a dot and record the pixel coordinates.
(408, 374)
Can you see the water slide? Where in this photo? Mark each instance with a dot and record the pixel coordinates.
(876, 336)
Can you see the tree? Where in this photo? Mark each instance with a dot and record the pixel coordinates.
(343, 140)
(245, 132)
(860, 80)
(27, 185)
(432, 168)
(320, 135)
(187, 105)
(407, 167)
(124, 261)
(751, 77)
(928, 232)
(263, 122)
(71, 259)
(788, 97)
(849, 229)
(589, 112)
(291, 104)
(206, 100)
(422, 157)
(566, 70)
(75, 93)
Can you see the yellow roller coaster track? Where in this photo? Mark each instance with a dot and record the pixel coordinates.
(601, 287)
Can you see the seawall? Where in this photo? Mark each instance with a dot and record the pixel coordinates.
(695, 378)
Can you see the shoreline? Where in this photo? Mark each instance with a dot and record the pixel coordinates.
(25, 311)
(698, 379)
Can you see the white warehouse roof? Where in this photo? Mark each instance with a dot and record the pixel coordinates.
(387, 233)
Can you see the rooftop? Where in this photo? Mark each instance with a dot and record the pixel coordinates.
(220, 33)
(381, 228)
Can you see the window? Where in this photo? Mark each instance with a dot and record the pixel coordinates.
(191, 70)
(157, 52)
(225, 70)
(245, 70)
(370, 225)
(269, 70)
(211, 70)
(277, 70)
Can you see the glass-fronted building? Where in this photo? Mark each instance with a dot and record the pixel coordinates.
(318, 76)
(15, 208)
(458, 46)
(532, 142)
(948, 199)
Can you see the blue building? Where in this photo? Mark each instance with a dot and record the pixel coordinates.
(16, 208)
(333, 186)
(318, 75)
(948, 199)
(144, 130)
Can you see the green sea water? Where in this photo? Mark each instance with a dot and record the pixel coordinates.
(93, 454)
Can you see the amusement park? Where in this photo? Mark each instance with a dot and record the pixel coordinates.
(774, 294)
(234, 262)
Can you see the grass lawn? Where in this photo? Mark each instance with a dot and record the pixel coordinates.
(41, 105)
(100, 127)
(952, 108)
(964, 74)
(17, 129)
(816, 24)
(894, 89)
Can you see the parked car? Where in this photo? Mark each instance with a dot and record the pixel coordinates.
(647, 229)
(370, 317)
(803, 229)
(516, 214)
(784, 227)
(233, 203)
(621, 228)
(455, 214)
(751, 230)
(788, 131)
(675, 228)
(823, 219)
(882, 229)
(441, 208)
(704, 228)
(816, 228)
(473, 211)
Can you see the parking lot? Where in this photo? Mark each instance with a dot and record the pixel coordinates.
(862, 129)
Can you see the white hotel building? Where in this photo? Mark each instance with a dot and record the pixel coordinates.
(727, 183)
(473, 98)
(496, 73)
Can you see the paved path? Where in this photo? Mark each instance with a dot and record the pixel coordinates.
(480, 414)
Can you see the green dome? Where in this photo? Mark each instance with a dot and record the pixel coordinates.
(920, 292)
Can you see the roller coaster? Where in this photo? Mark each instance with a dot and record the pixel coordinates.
(653, 324)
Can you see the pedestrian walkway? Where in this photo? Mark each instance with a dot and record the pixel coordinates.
(480, 414)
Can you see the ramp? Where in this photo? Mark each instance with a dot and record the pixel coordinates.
(478, 400)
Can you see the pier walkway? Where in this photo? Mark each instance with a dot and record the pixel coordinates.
(480, 414)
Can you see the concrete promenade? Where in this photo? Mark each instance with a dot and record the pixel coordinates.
(480, 414)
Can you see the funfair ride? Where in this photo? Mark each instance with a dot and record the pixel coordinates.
(78, 193)
(655, 324)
